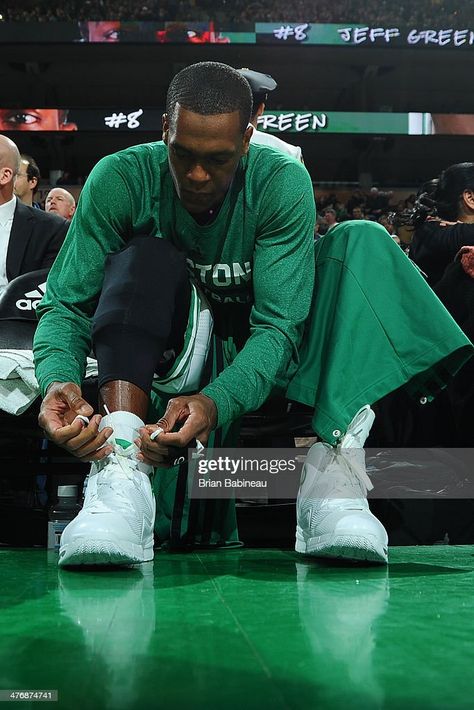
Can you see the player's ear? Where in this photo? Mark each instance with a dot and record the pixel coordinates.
(246, 138)
(165, 127)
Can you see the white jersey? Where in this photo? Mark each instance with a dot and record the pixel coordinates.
(261, 138)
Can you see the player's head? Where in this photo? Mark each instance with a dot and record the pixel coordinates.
(206, 130)
(209, 89)
(454, 195)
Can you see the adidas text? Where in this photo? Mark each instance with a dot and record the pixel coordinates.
(32, 298)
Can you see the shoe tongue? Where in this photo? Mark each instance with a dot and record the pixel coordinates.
(123, 443)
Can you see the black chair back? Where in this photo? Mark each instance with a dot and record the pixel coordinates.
(18, 304)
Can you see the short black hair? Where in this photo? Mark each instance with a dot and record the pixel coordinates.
(32, 169)
(210, 88)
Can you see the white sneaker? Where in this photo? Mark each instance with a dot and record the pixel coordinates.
(333, 516)
(115, 525)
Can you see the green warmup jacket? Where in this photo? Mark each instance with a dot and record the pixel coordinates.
(254, 263)
(374, 324)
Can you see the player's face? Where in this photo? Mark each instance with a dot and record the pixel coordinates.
(204, 152)
(104, 31)
(33, 119)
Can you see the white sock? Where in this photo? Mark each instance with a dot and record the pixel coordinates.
(125, 426)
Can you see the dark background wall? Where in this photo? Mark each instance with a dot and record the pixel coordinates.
(324, 79)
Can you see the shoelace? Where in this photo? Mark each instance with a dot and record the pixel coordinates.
(354, 460)
(123, 454)
(112, 487)
(346, 478)
(356, 427)
(354, 457)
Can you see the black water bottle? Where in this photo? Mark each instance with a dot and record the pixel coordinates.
(61, 513)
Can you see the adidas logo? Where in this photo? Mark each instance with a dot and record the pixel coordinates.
(32, 298)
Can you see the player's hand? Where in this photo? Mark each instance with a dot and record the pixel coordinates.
(198, 416)
(58, 419)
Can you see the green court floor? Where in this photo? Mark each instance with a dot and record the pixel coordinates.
(242, 629)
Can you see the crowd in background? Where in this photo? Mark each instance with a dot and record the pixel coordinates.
(375, 205)
(383, 206)
(332, 208)
(440, 14)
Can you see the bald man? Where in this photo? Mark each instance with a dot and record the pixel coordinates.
(29, 238)
(60, 201)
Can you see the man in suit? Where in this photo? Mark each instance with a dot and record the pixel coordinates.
(27, 181)
(29, 239)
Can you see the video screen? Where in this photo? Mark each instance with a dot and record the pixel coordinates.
(137, 118)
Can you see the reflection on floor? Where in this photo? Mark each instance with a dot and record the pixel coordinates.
(242, 629)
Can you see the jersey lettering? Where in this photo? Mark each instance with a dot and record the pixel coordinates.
(222, 275)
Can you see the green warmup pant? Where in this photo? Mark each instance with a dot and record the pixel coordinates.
(374, 326)
(181, 522)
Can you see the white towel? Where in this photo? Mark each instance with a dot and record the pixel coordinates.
(18, 384)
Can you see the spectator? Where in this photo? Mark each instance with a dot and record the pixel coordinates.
(357, 213)
(456, 290)
(330, 218)
(357, 199)
(26, 181)
(341, 211)
(386, 222)
(377, 202)
(371, 13)
(60, 201)
(31, 238)
(444, 220)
